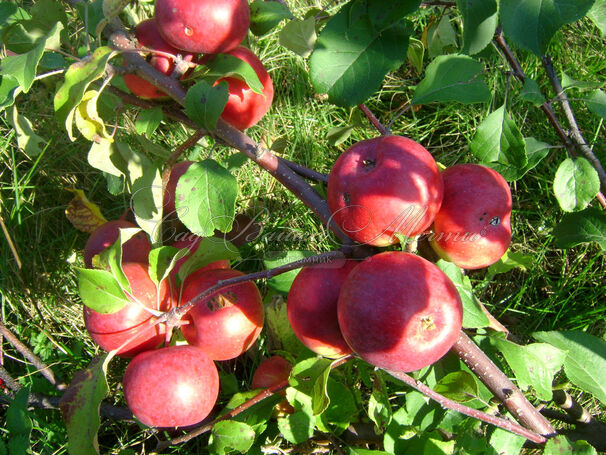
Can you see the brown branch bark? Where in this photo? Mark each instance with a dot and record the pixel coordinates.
(373, 119)
(501, 386)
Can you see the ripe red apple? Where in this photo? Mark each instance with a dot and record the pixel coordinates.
(148, 36)
(112, 330)
(399, 311)
(473, 227)
(244, 107)
(170, 190)
(382, 186)
(226, 325)
(312, 308)
(271, 372)
(136, 249)
(176, 386)
(203, 26)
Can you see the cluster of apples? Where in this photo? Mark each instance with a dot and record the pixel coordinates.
(195, 32)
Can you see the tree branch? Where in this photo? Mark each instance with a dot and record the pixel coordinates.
(373, 119)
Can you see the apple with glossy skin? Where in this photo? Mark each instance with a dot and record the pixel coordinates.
(227, 324)
(148, 36)
(112, 330)
(382, 186)
(244, 107)
(136, 249)
(473, 227)
(312, 308)
(399, 311)
(203, 26)
(176, 386)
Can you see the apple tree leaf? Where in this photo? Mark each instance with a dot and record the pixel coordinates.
(104, 155)
(532, 23)
(278, 326)
(576, 183)
(205, 198)
(265, 15)
(342, 408)
(354, 52)
(306, 373)
(282, 282)
(299, 36)
(100, 291)
(162, 260)
(210, 249)
(148, 121)
(570, 83)
(597, 14)
(452, 78)
(379, 407)
(84, 214)
(586, 226)
(255, 416)
(228, 435)
(80, 406)
(9, 90)
(225, 65)
(441, 37)
(561, 445)
(18, 421)
(396, 433)
(87, 120)
(531, 92)
(111, 257)
(480, 20)
(297, 428)
(586, 360)
(204, 103)
(460, 386)
(509, 261)
(27, 140)
(507, 443)
(415, 54)
(596, 102)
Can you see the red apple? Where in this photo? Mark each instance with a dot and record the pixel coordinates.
(110, 331)
(272, 372)
(382, 186)
(312, 308)
(226, 325)
(136, 249)
(171, 186)
(203, 26)
(244, 107)
(176, 386)
(473, 227)
(193, 242)
(148, 36)
(399, 311)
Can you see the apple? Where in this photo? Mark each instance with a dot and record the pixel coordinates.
(136, 249)
(148, 36)
(170, 190)
(473, 227)
(272, 372)
(203, 26)
(193, 242)
(176, 386)
(382, 186)
(244, 107)
(399, 311)
(227, 324)
(112, 330)
(312, 308)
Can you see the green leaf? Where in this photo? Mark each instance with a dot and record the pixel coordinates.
(379, 407)
(576, 183)
(9, 90)
(229, 434)
(27, 140)
(23, 67)
(7, 11)
(255, 416)
(264, 16)
(112, 257)
(416, 52)
(510, 261)
(148, 121)
(480, 20)
(342, 409)
(162, 260)
(18, 422)
(225, 65)
(80, 406)
(358, 451)
(100, 291)
(452, 78)
(586, 226)
(205, 198)
(104, 155)
(282, 282)
(299, 36)
(561, 445)
(441, 37)
(204, 103)
(399, 431)
(531, 92)
(598, 15)
(297, 428)
(352, 56)
(473, 315)
(532, 23)
(533, 365)
(339, 134)
(210, 249)
(498, 139)
(306, 373)
(507, 443)
(570, 83)
(586, 360)
(459, 386)
(278, 326)
(77, 79)
(596, 102)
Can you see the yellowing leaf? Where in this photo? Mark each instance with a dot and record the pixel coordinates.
(83, 214)
(87, 119)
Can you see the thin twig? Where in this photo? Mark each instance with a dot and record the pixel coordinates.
(476, 414)
(373, 119)
(305, 172)
(11, 245)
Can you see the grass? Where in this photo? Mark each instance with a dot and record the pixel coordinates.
(562, 290)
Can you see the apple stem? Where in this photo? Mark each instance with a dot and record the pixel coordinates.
(505, 424)
(373, 119)
(501, 386)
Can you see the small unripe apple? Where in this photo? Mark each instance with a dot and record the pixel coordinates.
(473, 227)
(203, 26)
(176, 386)
(148, 36)
(399, 311)
(244, 107)
(227, 324)
(136, 249)
(383, 186)
(112, 330)
(312, 308)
